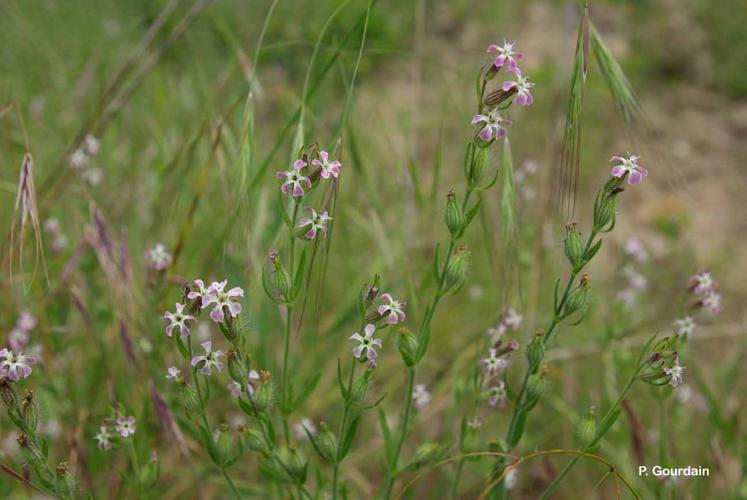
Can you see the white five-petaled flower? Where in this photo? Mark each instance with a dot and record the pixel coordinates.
(493, 364)
(497, 393)
(366, 343)
(684, 326)
(420, 396)
(523, 89)
(159, 258)
(178, 320)
(328, 167)
(493, 125)
(125, 426)
(712, 302)
(294, 179)
(173, 373)
(506, 54)
(702, 282)
(393, 309)
(316, 222)
(676, 373)
(218, 296)
(15, 366)
(209, 359)
(103, 438)
(629, 165)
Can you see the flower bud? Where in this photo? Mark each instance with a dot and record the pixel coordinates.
(235, 367)
(8, 394)
(456, 269)
(605, 205)
(424, 455)
(454, 215)
(149, 474)
(472, 442)
(264, 396)
(65, 480)
(408, 347)
(295, 462)
(536, 385)
(478, 166)
(325, 443)
(255, 440)
(281, 281)
(573, 246)
(190, 399)
(360, 387)
(224, 447)
(28, 412)
(577, 298)
(536, 350)
(587, 429)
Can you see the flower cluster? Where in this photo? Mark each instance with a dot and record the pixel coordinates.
(80, 160)
(113, 429)
(663, 364)
(497, 360)
(224, 302)
(301, 174)
(510, 320)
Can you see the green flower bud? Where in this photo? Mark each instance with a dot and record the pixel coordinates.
(536, 385)
(408, 347)
(224, 447)
(274, 471)
(325, 443)
(190, 399)
(605, 205)
(281, 281)
(255, 441)
(149, 474)
(295, 461)
(536, 350)
(264, 396)
(587, 429)
(65, 480)
(573, 246)
(456, 269)
(479, 166)
(7, 394)
(236, 368)
(424, 455)
(454, 215)
(472, 442)
(360, 387)
(28, 411)
(577, 298)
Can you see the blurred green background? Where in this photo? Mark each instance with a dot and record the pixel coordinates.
(175, 156)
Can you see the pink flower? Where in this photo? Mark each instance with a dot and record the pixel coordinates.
(393, 309)
(104, 438)
(208, 360)
(493, 125)
(15, 366)
(328, 167)
(216, 295)
(159, 258)
(493, 365)
(630, 166)
(201, 291)
(497, 393)
(523, 89)
(18, 339)
(253, 379)
(712, 302)
(318, 222)
(26, 321)
(513, 319)
(178, 320)
(702, 283)
(125, 426)
(675, 372)
(173, 373)
(294, 179)
(234, 388)
(366, 343)
(420, 396)
(506, 53)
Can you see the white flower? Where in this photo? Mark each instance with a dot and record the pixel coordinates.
(125, 426)
(420, 396)
(366, 343)
(684, 326)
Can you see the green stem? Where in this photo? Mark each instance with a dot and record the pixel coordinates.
(285, 409)
(345, 416)
(403, 432)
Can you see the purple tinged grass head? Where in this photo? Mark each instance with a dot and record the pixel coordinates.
(628, 165)
(15, 366)
(393, 310)
(366, 343)
(327, 168)
(506, 56)
(178, 320)
(316, 222)
(208, 360)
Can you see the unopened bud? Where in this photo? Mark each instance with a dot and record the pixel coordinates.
(408, 347)
(577, 298)
(325, 443)
(224, 446)
(28, 411)
(235, 367)
(280, 277)
(536, 350)
(573, 246)
(454, 215)
(478, 167)
(256, 441)
(8, 394)
(190, 399)
(456, 269)
(360, 387)
(536, 385)
(587, 429)
(263, 396)
(424, 455)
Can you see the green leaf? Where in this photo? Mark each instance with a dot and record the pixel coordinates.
(343, 390)
(471, 215)
(436, 272)
(347, 439)
(298, 280)
(593, 250)
(388, 442)
(182, 348)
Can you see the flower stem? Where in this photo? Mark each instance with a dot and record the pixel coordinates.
(285, 404)
(403, 432)
(345, 415)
